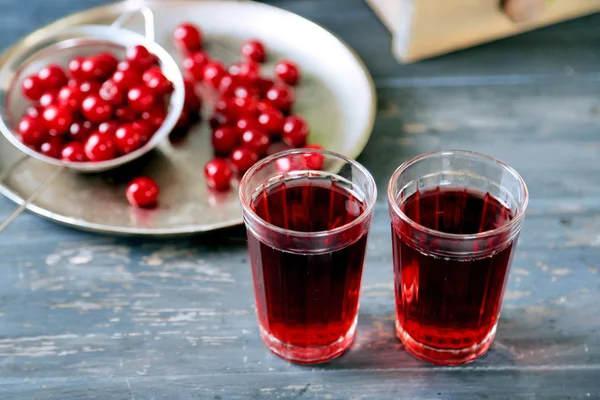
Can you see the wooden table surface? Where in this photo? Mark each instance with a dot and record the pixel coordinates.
(88, 316)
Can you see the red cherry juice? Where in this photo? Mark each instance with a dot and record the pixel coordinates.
(307, 300)
(443, 303)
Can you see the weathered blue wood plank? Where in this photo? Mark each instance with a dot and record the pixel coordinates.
(402, 383)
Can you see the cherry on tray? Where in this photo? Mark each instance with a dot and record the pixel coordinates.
(143, 192)
(218, 174)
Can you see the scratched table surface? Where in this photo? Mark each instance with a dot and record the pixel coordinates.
(88, 316)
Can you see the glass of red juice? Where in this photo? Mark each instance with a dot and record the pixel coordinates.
(307, 214)
(456, 218)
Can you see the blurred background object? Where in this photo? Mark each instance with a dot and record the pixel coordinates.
(426, 28)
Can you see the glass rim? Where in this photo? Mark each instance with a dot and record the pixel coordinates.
(518, 218)
(272, 158)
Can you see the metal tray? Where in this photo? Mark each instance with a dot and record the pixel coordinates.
(336, 96)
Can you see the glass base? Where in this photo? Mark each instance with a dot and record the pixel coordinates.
(308, 355)
(444, 356)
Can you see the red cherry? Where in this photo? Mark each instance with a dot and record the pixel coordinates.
(32, 87)
(157, 82)
(295, 131)
(188, 37)
(108, 63)
(229, 83)
(218, 174)
(112, 93)
(140, 98)
(212, 74)
(245, 92)
(224, 140)
(254, 50)
(125, 78)
(79, 131)
(281, 97)
(287, 71)
(192, 102)
(70, 96)
(245, 123)
(89, 87)
(33, 111)
(263, 85)
(52, 147)
(52, 77)
(248, 72)
(99, 147)
(32, 131)
(96, 109)
(264, 105)
(127, 139)
(144, 129)
(49, 97)
(232, 86)
(313, 160)
(98, 67)
(246, 106)
(242, 159)
(194, 64)
(271, 121)
(57, 119)
(140, 57)
(256, 140)
(235, 107)
(125, 114)
(129, 66)
(108, 128)
(75, 68)
(155, 116)
(142, 192)
(73, 152)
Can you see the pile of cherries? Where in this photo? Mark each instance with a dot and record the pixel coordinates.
(252, 114)
(100, 109)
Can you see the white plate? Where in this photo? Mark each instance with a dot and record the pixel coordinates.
(336, 96)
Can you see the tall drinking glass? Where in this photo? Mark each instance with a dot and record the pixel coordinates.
(456, 218)
(307, 215)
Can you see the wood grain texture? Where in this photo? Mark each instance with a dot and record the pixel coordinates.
(87, 316)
